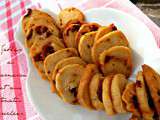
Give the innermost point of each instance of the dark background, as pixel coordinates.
(151, 8)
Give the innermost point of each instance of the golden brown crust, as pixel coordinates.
(117, 59)
(106, 95)
(115, 38)
(69, 35)
(129, 96)
(85, 28)
(83, 89)
(63, 63)
(142, 97)
(68, 15)
(67, 81)
(117, 87)
(104, 30)
(95, 90)
(40, 50)
(152, 80)
(85, 45)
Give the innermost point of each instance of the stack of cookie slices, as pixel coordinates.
(89, 64)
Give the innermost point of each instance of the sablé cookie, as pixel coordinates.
(115, 38)
(117, 59)
(69, 35)
(129, 96)
(85, 28)
(95, 90)
(118, 84)
(106, 95)
(85, 45)
(103, 30)
(83, 89)
(40, 50)
(67, 81)
(68, 15)
(52, 59)
(62, 63)
(142, 97)
(152, 79)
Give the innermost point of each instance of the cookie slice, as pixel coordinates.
(104, 30)
(85, 28)
(116, 59)
(69, 35)
(115, 38)
(40, 50)
(145, 109)
(83, 89)
(129, 97)
(152, 79)
(67, 81)
(68, 15)
(95, 90)
(62, 63)
(85, 45)
(51, 60)
(34, 17)
(119, 82)
(106, 95)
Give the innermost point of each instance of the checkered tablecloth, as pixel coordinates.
(14, 104)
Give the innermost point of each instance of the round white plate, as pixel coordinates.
(50, 106)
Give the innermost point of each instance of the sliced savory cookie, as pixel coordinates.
(83, 89)
(85, 28)
(85, 45)
(52, 59)
(95, 90)
(129, 96)
(69, 35)
(142, 97)
(106, 95)
(37, 17)
(104, 30)
(64, 62)
(152, 79)
(40, 50)
(115, 38)
(67, 81)
(117, 59)
(118, 84)
(68, 15)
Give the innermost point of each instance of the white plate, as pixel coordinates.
(51, 107)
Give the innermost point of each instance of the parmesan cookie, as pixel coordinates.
(116, 59)
(64, 62)
(104, 30)
(68, 15)
(67, 81)
(106, 95)
(69, 35)
(51, 60)
(95, 89)
(152, 79)
(85, 28)
(145, 109)
(129, 96)
(118, 84)
(40, 50)
(115, 38)
(83, 89)
(85, 45)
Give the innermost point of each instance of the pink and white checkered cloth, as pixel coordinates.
(14, 62)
